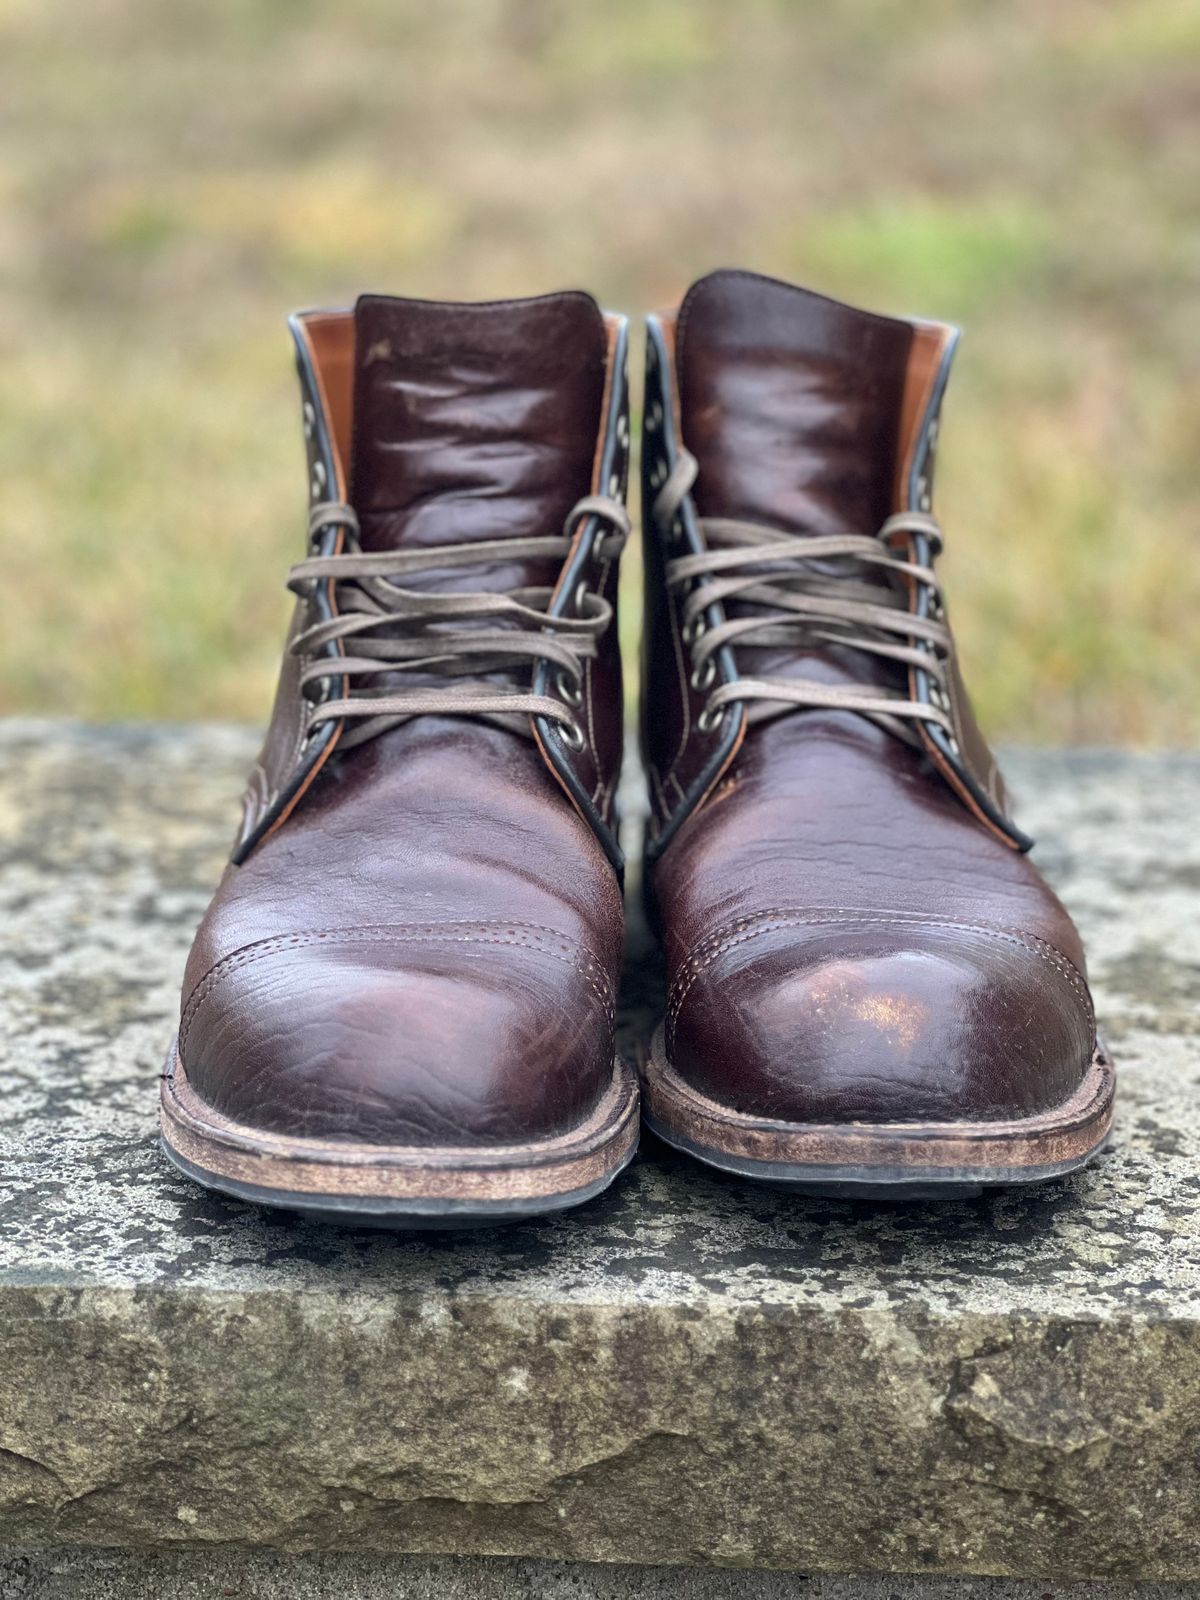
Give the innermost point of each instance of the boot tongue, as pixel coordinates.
(473, 421)
(791, 404)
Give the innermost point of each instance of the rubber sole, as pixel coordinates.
(889, 1160)
(393, 1186)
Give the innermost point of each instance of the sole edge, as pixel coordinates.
(400, 1186)
(884, 1160)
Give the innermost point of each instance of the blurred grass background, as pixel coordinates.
(175, 178)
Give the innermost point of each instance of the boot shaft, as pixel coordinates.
(431, 425)
(813, 420)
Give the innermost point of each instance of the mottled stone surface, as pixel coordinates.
(687, 1371)
(273, 1575)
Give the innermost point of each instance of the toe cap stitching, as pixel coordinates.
(693, 966)
(570, 954)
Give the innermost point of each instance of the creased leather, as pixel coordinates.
(473, 422)
(792, 402)
(426, 952)
(845, 940)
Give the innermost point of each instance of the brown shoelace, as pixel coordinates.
(800, 607)
(453, 640)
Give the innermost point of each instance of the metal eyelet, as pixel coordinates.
(703, 675)
(319, 479)
(571, 735)
(695, 629)
(568, 689)
(709, 719)
(614, 485)
(310, 419)
(579, 600)
(623, 430)
(654, 418)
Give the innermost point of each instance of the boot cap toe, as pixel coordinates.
(880, 1019)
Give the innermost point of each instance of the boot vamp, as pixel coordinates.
(427, 952)
(846, 942)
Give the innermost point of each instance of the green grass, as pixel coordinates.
(174, 179)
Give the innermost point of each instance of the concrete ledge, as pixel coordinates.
(686, 1372)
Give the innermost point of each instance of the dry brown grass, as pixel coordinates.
(174, 179)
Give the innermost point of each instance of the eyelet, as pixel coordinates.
(319, 479)
(654, 418)
(310, 419)
(571, 735)
(614, 485)
(568, 690)
(709, 719)
(703, 675)
(695, 629)
(579, 600)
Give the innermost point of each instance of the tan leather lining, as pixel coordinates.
(330, 339)
(930, 340)
(669, 322)
(612, 328)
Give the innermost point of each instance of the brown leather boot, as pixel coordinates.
(871, 986)
(399, 1006)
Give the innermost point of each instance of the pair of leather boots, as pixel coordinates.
(400, 1005)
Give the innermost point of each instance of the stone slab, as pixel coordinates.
(688, 1371)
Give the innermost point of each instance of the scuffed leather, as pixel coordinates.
(426, 951)
(845, 940)
(846, 943)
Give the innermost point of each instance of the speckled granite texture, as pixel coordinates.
(234, 1574)
(687, 1371)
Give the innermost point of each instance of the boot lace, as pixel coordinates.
(454, 641)
(801, 605)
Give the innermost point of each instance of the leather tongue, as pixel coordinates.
(473, 421)
(791, 404)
